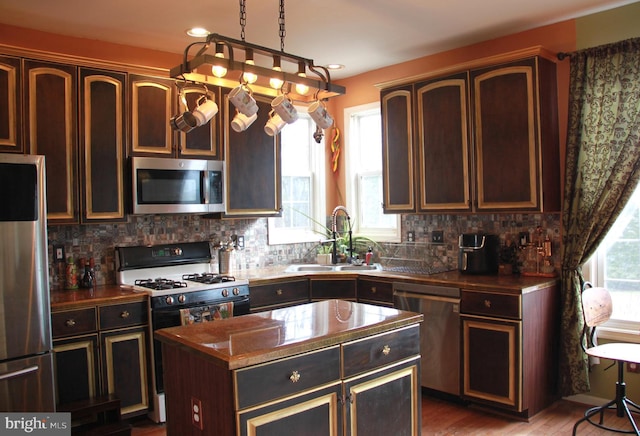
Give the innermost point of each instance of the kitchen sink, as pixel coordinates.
(307, 267)
(374, 267)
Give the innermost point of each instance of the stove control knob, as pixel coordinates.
(169, 300)
(225, 292)
(177, 251)
(236, 291)
(182, 298)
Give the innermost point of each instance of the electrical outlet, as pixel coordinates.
(58, 253)
(437, 237)
(411, 236)
(633, 367)
(240, 241)
(196, 413)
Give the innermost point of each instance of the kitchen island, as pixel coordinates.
(325, 368)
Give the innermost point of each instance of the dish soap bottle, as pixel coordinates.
(369, 256)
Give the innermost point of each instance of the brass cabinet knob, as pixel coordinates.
(487, 303)
(278, 291)
(295, 376)
(386, 350)
(70, 322)
(124, 315)
(373, 289)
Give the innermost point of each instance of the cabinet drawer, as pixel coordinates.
(123, 315)
(262, 383)
(278, 294)
(376, 351)
(373, 290)
(73, 322)
(490, 304)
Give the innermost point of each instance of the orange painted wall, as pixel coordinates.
(88, 48)
(361, 89)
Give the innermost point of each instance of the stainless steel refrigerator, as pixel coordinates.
(26, 362)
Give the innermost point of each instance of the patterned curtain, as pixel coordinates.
(602, 162)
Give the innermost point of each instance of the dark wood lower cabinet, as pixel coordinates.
(102, 350)
(491, 362)
(124, 360)
(510, 349)
(335, 287)
(76, 368)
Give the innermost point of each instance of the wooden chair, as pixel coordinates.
(597, 308)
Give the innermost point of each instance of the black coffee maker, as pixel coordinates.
(478, 253)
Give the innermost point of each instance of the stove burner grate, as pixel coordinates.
(160, 284)
(208, 278)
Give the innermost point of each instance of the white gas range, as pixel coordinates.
(182, 286)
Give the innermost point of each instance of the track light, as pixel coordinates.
(217, 70)
(275, 81)
(301, 88)
(247, 76)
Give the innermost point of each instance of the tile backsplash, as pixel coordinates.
(99, 240)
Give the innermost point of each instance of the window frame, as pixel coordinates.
(288, 235)
(593, 271)
(352, 179)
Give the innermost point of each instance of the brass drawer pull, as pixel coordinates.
(124, 315)
(70, 322)
(373, 289)
(278, 291)
(487, 304)
(386, 350)
(295, 376)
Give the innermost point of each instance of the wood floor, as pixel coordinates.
(443, 418)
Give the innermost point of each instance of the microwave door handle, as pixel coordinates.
(206, 188)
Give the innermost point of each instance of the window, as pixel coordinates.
(363, 139)
(303, 205)
(616, 266)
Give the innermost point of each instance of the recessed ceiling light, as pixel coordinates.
(335, 66)
(197, 32)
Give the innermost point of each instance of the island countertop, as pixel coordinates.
(262, 337)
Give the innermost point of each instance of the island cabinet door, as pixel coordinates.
(384, 402)
(312, 413)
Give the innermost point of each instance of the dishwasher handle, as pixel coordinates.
(405, 294)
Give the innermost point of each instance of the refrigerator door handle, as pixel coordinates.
(19, 372)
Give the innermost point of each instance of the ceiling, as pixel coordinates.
(361, 34)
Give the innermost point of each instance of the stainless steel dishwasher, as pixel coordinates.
(439, 332)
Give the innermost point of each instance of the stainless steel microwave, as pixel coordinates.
(164, 185)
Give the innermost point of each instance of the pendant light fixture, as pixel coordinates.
(309, 81)
(252, 77)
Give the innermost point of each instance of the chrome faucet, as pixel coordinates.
(334, 229)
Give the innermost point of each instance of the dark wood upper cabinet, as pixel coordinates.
(153, 100)
(487, 140)
(398, 156)
(444, 143)
(516, 136)
(102, 145)
(51, 130)
(10, 105)
(253, 166)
